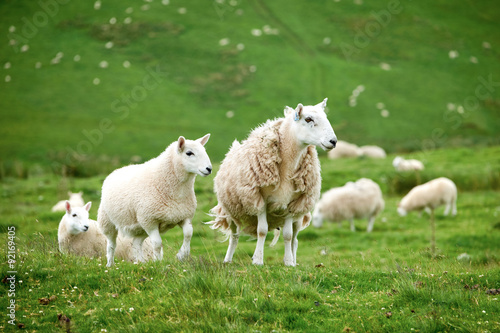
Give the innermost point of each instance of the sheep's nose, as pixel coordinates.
(209, 169)
(86, 227)
(333, 142)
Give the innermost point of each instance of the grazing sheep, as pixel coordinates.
(429, 196)
(148, 199)
(372, 152)
(272, 179)
(359, 200)
(79, 235)
(75, 199)
(400, 164)
(344, 149)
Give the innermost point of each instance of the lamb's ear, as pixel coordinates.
(204, 139)
(323, 104)
(298, 112)
(287, 110)
(88, 205)
(68, 206)
(181, 143)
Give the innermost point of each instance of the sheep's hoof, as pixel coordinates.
(182, 257)
(258, 262)
(289, 263)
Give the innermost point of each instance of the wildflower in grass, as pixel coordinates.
(384, 113)
(96, 82)
(327, 40)
(97, 5)
(224, 41)
(7, 65)
(129, 10)
(77, 58)
(385, 66)
(380, 105)
(473, 60)
(127, 20)
(130, 309)
(240, 47)
(252, 69)
(103, 64)
(256, 32)
(182, 10)
(126, 64)
(12, 42)
(7, 78)
(453, 54)
(112, 20)
(486, 45)
(165, 2)
(230, 114)
(12, 28)
(145, 7)
(108, 45)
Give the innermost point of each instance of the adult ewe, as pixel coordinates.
(372, 151)
(79, 235)
(429, 196)
(272, 179)
(359, 200)
(148, 199)
(400, 164)
(75, 199)
(344, 149)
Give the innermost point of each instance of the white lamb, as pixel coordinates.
(400, 164)
(148, 199)
(359, 200)
(372, 152)
(79, 235)
(75, 199)
(272, 180)
(344, 149)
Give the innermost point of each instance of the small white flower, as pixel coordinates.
(224, 41)
(103, 64)
(252, 69)
(240, 47)
(96, 82)
(486, 45)
(108, 45)
(97, 5)
(165, 2)
(384, 113)
(7, 78)
(380, 105)
(127, 20)
(77, 58)
(129, 10)
(25, 48)
(59, 55)
(12, 28)
(112, 20)
(230, 114)
(182, 10)
(473, 60)
(145, 7)
(385, 66)
(327, 40)
(460, 109)
(451, 106)
(7, 65)
(361, 88)
(126, 64)
(12, 42)
(131, 309)
(256, 32)
(453, 54)
(233, 3)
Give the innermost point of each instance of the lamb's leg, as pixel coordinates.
(454, 207)
(447, 209)
(295, 241)
(258, 256)
(371, 221)
(353, 228)
(287, 238)
(137, 249)
(110, 248)
(187, 229)
(154, 236)
(233, 242)
(433, 234)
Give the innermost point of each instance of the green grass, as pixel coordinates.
(384, 281)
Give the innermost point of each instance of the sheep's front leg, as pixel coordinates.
(110, 248)
(187, 229)
(258, 256)
(137, 249)
(287, 238)
(353, 228)
(371, 221)
(154, 236)
(233, 242)
(295, 242)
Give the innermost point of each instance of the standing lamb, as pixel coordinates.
(148, 199)
(79, 235)
(400, 164)
(372, 152)
(272, 180)
(359, 200)
(429, 196)
(75, 199)
(344, 149)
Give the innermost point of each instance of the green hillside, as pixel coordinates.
(147, 72)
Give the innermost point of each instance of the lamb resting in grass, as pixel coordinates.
(148, 199)
(75, 199)
(272, 180)
(344, 149)
(400, 164)
(79, 235)
(355, 200)
(429, 196)
(372, 151)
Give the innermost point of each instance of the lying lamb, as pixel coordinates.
(75, 199)
(400, 164)
(359, 200)
(79, 235)
(148, 199)
(272, 179)
(344, 149)
(372, 152)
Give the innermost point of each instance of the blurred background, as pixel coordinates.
(86, 86)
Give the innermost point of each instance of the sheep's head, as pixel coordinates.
(312, 126)
(397, 160)
(77, 218)
(194, 156)
(401, 210)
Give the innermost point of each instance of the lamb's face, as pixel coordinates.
(312, 126)
(402, 211)
(77, 218)
(194, 156)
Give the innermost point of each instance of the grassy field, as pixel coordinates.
(384, 281)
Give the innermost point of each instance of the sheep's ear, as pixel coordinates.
(204, 139)
(287, 110)
(181, 143)
(323, 104)
(88, 205)
(298, 112)
(68, 206)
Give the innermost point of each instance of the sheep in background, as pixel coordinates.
(79, 235)
(355, 200)
(400, 164)
(75, 199)
(429, 196)
(272, 180)
(148, 199)
(344, 149)
(372, 152)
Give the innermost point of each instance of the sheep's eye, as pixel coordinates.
(189, 153)
(308, 120)
(74, 215)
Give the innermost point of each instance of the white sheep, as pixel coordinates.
(79, 235)
(272, 180)
(344, 149)
(429, 196)
(355, 200)
(148, 199)
(75, 199)
(400, 164)
(372, 152)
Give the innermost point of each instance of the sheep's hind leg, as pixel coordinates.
(353, 228)
(371, 221)
(111, 246)
(233, 242)
(287, 238)
(187, 229)
(137, 249)
(295, 242)
(154, 236)
(258, 256)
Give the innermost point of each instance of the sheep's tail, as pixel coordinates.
(276, 237)
(221, 220)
